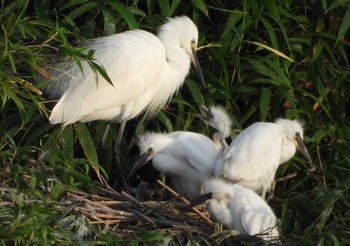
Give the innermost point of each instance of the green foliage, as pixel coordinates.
(261, 60)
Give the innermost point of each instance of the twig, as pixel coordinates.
(132, 199)
(145, 217)
(105, 222)
(292, 175)
(184, 200)
(101, 215)
(319, 161)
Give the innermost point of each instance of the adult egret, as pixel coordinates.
(241, 209)
(146, 70)
(255, 154)
(217, 117)
(188, 158)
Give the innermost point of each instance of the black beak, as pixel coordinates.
(302, 148)
(194, 59)
(199, 200)
(204, 118)
(140, 162)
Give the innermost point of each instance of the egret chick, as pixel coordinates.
(145, 70)
(188, 158)
(217, 118)
(254, 155)
(241, 209)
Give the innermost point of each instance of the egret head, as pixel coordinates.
(294, 132)
(220, 190)
(217, 118)
(214, 190)
(150, 144)
(185, 32)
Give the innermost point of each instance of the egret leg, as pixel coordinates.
(105, 136)
(263, 193)
(117, 155)
(272, 190)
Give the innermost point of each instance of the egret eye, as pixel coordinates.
(297, 134)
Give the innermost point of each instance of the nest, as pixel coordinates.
(87, 213)
(127, 215)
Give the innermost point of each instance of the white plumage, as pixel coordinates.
(255, 154)
(241, 209)
(187, 158)
(146, 71)
(217, 118)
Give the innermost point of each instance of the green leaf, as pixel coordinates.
(109, 26)
(101, 70)
(152, 236)
(344, 25)
(81, 10)
(165, 8)
(265, 103)
(86, 142)
(127, 15)
(195, 91)
(270, 30)
(166, 121)
(201, 6)
(67, 143)
(272, 9)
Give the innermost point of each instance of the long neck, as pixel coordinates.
(288, 150)
(177, 59)
(174, 72)
(219, 140)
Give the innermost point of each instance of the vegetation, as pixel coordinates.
(261, 60)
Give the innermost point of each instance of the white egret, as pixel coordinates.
(255, 154)
(188, 158)
(146, 70)
(240, 209)
(217, 118)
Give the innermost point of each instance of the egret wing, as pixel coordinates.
(258, 220)
(132, 61)
(253, 152)
(256, 215)
(198, 150)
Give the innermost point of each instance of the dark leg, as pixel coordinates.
(272, 190)
(117, 155)
(105, 136)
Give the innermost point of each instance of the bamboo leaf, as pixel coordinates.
(201, 6)
(264, 103)
(279, 53)
(166, 121)
(86, 142)
(344, 25)
(165, 8)
(127, 15)
(101, 70)
(88, 146)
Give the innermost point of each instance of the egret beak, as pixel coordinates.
(199, 200)
(194, 59)
(140, 162)
(302, 148)
(204, 118)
